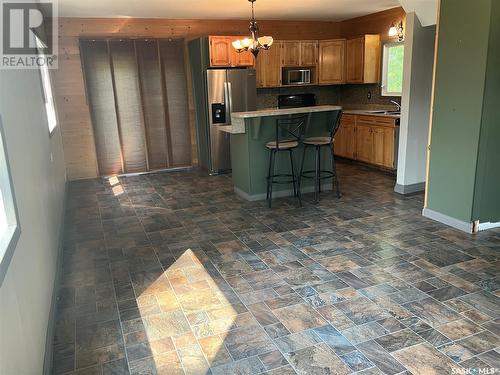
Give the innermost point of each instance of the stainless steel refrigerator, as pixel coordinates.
(227, 91)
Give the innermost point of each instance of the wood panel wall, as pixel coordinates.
(376, 23)
(71, 101)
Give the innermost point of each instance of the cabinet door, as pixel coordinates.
(364, 143)
(331, 61)
(383, 146)
(291, 53)
(345, 139)
(242, 58)
(308, 53)
(220, 51)
(355, 60)
(340, 142)
(350, 142)
(268, 66)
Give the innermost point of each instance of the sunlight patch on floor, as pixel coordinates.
(185, 305)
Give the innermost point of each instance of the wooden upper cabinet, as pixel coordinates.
(290, 53)
(308, 53)
(299, 53)
(268, 66)
(223, 54)
(331, 61)
(363, 59)
(240, 58)
(220, 51)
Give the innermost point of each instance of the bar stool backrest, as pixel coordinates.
(290, 128)
(337, 115)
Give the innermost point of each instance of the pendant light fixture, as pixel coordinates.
(255, 43)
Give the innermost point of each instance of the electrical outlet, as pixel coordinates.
(369, 95)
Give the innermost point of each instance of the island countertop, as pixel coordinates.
(238, 118)
(284, 111)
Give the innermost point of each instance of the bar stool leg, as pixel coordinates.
(269, 173)
(316, 178)
(273, 159)
(319, 169)
(302, 168)
(335, 177)
(296, 189)
(293, 174)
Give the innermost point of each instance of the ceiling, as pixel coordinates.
(333, 10)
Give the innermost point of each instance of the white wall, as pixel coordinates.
(426, 10)
(39, 186)
(415, 105)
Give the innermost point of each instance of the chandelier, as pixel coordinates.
(255, 43)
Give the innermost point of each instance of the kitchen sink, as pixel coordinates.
(384, 112)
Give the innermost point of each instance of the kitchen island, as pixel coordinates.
(250, 131)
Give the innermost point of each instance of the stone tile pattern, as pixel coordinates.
(172, 273)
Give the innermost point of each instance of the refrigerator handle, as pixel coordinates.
(227, 100)
(230, 99)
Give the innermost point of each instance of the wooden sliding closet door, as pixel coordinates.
(155, 112)
(99, 83)
(128, 106)
(174, 73)
(139, 104)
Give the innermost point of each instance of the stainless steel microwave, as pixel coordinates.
(296, 76)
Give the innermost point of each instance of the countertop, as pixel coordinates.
(238, 118)
(284, 111)
(365, 112)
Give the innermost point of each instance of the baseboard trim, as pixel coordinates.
(487, 225)
(278, 193)
(409, 189)
(49, 340)
(448, 220)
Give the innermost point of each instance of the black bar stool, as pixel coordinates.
(318, 142)
(289, 132)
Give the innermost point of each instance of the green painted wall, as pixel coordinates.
(464, 28)
(487, 198)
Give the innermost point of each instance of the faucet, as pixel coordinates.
(396, 104)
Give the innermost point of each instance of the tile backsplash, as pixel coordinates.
(349, 96)
(358, 95)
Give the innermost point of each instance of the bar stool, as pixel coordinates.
(289, 132)
(318, 143)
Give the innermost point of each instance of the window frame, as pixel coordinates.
(10, 237)
(47, 93)
(385, 66)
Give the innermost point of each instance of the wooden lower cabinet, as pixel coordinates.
(383, 146)
(364, 143)
(345, 139)
(368, 139)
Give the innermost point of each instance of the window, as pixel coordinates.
(9, 228)
(392, 69)
(50, 108)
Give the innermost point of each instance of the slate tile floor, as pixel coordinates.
(173, 274)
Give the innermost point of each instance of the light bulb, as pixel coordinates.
(393, 31)
(266, 41)
(237, 44)
(247, 43)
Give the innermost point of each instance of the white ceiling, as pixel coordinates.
(334, 10)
